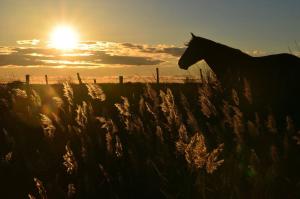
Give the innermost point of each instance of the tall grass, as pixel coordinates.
(176, 141)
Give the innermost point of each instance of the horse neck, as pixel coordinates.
(223, 59)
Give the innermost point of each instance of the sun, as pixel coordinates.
(64, 38)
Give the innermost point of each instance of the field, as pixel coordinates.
(143, 141)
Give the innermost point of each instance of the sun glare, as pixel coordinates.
(64, 38)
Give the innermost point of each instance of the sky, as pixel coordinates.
(138, 35)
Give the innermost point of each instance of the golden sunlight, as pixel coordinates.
(64, 38)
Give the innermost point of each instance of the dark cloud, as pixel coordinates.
(88, 42)
(29, 42)
(127, 60)
(174, 51)
(133, 46)
(18, 59)
(31, 50)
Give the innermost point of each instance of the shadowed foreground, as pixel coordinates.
(138, 141)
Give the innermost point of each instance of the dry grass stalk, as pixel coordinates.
(58, 102)
(137, 124)
(207, 108)
(68, 93)
(252, 129)
(19, 93)
(290, 125)
(123, 107)
(237, 121)
(107, 124)
(159, 133)
(69, 160)
(297, 138)
(142, 106)
(124, 111)
(31, 196)
(271, 124)
(168, 107)
(247, 91)
(96, 92)
(109, 142)
(183, 133)
(8, 157)
(212, 162)
(196, 151)
(274, 153)
(118, 147)
(40, 187)
(150, 110)
(111, 130)
(151, 93)
(71, 190)
(181, 144)
(35, 98)
(48, 127)
(235, 97)
(226, 110)
(113, 142)
(81, 115)
(191, 120)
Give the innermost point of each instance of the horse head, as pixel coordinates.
(192, 54)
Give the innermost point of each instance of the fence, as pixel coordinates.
(143, 79)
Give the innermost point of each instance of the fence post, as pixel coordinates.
(208, 77)
(187, 79)
(157, 76)
(121, 79)
(46, 79)
(201, 76)
(27, 79)
(79, 78)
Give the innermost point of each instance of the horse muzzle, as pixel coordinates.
(182, 65)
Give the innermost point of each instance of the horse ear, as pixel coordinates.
(193, 35)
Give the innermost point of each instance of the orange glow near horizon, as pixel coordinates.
(64, 38)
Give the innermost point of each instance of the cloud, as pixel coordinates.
(53, 57)
(18, 60)
(32, 42)
(171, 50)
(90, 54)
(88, 42)
(256, 53)
(297, 53)
(175, 51)
(126, 60)
(133, 46)
(5, 50)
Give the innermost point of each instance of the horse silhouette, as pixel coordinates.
(274, 79)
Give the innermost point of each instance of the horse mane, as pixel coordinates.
(229, 49)
(215, 45)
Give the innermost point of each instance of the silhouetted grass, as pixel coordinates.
(140, 141)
